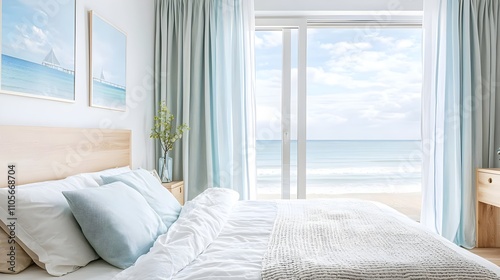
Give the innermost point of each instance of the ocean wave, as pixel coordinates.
(344, 189)
(365, 171)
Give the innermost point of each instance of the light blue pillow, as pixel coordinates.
(158, 197)
(117, 221)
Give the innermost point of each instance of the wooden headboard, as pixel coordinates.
(50, 153)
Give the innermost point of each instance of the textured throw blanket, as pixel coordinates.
(357, 240)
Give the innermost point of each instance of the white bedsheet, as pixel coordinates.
(238, 252)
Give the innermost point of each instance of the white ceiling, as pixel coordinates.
(301, 7)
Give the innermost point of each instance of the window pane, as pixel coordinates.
(363, 114)
(268, 65)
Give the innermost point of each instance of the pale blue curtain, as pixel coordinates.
(204, 70)
(460, 120)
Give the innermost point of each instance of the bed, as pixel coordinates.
(42, 154)
(218, 237)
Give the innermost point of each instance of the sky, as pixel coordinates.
(109, 51)
(31, 28)
(362, 84)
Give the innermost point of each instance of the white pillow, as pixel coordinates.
(117, 221)
(159, 198)
(46, 226)
(96, 176)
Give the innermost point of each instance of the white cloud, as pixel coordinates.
(268, 39)
(382, 39)
(258, 42)
(319, 75)
(268, 122)
(370, 89)
(404, 44)
(28, 38)
(268, 99)
(341, 48)
(369, 114)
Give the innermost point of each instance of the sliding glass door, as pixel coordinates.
(354, 129)
(363, 114)
(268, 75)
(278, 80)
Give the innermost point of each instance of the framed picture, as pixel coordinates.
(38, 49)
(108, 55)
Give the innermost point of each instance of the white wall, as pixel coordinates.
(337, 5)
(136, 19)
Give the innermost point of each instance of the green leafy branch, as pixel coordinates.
(163, 130)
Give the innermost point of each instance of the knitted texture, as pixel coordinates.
(357, 240)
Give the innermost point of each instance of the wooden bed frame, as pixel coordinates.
(50, 153)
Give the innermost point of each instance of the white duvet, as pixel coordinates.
(217, 237)
(200, 222)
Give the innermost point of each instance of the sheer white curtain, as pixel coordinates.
(205, 72)
(461, 68)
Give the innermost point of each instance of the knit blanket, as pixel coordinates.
(358, 240)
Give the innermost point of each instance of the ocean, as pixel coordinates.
(27, 77)
(337, 167)
(23, 76)
(108, 96)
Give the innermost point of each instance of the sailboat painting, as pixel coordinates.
(108, 55)
(38, 49)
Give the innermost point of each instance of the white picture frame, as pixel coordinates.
(108, 64)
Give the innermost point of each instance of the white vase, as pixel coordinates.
(165, 169)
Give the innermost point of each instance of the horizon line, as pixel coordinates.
(347, 140)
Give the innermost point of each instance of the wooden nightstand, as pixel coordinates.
(488, 214)
(177, 189)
